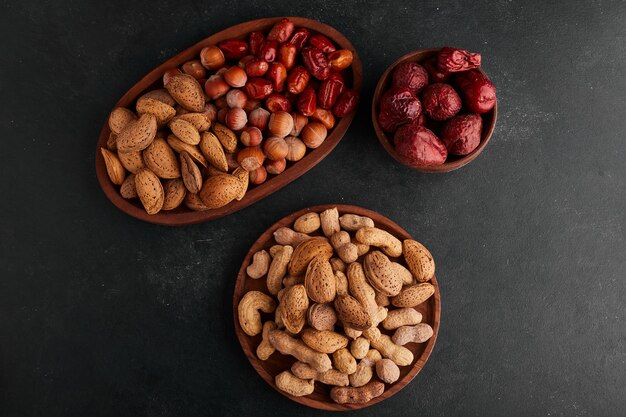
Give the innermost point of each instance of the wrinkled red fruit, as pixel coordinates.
(479, 94)
(410, 75)
(440, 101)
(397, 107)
(456, 60)
(461, 134)
(434, 74)
(419, 146)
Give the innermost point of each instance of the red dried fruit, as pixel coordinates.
(456, 60)
(315, 61)
(277, 74)
(297, 80)
(434, 74)
(258, 88)
(233, 48)
(397, 107)
(410, 75)
(287, 55)
(281, 31)
(479, 93)
(346, 103)
(461, 134)
(256, 41)
(299, 38)
(277, 102)
(419, 146)
(268, 50)
(329, 92)
(307, 102)
(440, 101)
(256, 68)
(322, 42)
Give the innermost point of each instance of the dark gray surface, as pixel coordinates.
(103, 315)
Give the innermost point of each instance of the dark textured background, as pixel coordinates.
(103, 315)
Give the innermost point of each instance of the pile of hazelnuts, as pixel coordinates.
(435, 110)
(280, 92)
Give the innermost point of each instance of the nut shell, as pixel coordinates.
(219, 190)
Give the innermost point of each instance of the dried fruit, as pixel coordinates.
(256, 67)
(316, 63)
(281, 31)
(340, 60)
(441, 101)
(276, 102)
(419, 146)
(410, 75)
(434, 74)
(256, 41)
(258, 88)
(322, 43)
(233, 48)
(287, 55)
(455, 60)
(398, 106)
(297, 80)
(346, 103)
(277, 74)
(461, 134)
(268, 51)
(479, 93)
(328, 92)
(300, 37)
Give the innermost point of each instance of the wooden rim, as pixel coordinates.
(182, 215)
(249, 344)
(489, 119)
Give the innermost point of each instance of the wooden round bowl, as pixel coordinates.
(453, 162)
(182, 215)
(431, 313)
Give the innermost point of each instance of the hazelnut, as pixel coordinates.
(280, 124)
(167, 75)
(236, 119)
(259, 118)
(275, 148)
(210, 111)
(212, 57)
(251, 136)
(221, 103)
(235, 77)
(314, 134)
(221, 115)
(299, 121)
(250, 158)
(195, 69)
(276, 167)
(297, 148)
(251, 104)
(215, 87)
(258, 176)
(236, 98)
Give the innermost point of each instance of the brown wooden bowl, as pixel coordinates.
(453, 162)
(431, 312)
(182, 215)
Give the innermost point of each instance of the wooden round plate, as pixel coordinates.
(453, 162)
(430, 309)
(182, 215)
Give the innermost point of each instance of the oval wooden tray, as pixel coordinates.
(182, 215)
(431, 312)
(453, 162)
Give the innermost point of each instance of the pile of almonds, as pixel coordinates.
(345, 297)
(434, 110)
(245, 109)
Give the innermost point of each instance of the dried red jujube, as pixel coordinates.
(479, 93)
(419, 146)
(440, 101)
(410, 75)
(456, 60)
(398, 106)
(461, 134)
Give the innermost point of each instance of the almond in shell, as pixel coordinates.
(162, 95)
(227, 137)
(162, 111)
(185, 131)
(128, 190)
(149, 190)
(413, 295)
(114, 167)
(161, 159)
(193, 151)
(132, 161)
(198, 120)
(175, 192)
(119, 118)
(320, 280)
(381, 274)
(138, 134)
(193, 202)
(352, 313)
(192, 177)
(307, 250)
(219, 190)
(244, 177)
(112, 142)
(187, 92)
(324, 341)
(294, 306)
(213, 151)
(419, 260)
